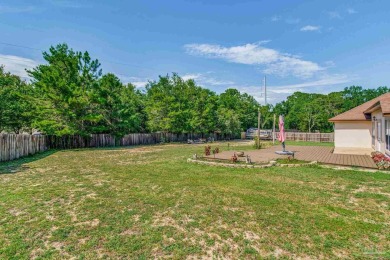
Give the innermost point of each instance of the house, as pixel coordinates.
(364, 129)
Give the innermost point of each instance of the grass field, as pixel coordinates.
(148, 202)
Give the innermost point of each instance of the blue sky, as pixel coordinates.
(310, 46)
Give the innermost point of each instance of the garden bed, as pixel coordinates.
(381, 160)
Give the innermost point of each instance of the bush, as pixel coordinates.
(234, 158)
(381, 160)
(207, 150)
(258, 143)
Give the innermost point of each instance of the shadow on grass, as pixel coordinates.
(18, 165)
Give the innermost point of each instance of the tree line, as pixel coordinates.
(70, 95)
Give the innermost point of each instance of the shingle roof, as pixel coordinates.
(385, 105)
(357, 113)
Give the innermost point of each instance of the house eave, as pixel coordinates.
(350, 120)
(373, 108)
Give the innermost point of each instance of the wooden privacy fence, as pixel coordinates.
(105, 140)
(13, 146)
(77, 141)
(309, 137)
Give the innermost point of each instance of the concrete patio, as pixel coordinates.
(321, 154)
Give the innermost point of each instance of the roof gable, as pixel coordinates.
(358, 113)
(385, 105)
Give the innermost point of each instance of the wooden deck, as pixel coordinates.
(321, 154)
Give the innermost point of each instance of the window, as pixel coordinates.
(387, 134)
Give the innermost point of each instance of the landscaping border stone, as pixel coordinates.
(231, 165)
(273, 163)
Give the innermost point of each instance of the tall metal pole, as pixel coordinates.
(265, 90)
(258, 129)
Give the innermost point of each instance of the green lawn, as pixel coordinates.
(148, 202)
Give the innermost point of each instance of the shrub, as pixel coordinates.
(207, 150)
(234, 158)
(258, 143)
(381, 160)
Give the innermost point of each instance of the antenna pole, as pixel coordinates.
(258, 129)
(265, 90)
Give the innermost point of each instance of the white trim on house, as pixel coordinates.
(381, 137)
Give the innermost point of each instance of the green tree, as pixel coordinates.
(203, 111)
(244, 105)
(267, 117)
(16, 106)
(179, 106)
(119, 107)
(64, 86)
(304, 111)
(228, 121)
(356, 95)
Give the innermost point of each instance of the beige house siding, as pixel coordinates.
(353, 134)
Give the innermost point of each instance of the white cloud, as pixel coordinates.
(274, 62)
(310, 28)
(16, 9)
(351, 11)
(136, 81)
(17, 65)
(140, 84)
(216, 82)
(334, 15)
(291, 20)
(191, 76)
(289, 65)
(203, 80)
(324, 81)
(206, 80)
(326, 84)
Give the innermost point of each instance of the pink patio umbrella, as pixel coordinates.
(282, 134)
(282, 138)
